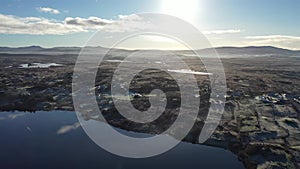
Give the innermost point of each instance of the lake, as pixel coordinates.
(54, 139)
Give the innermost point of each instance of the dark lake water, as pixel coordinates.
(55, 140)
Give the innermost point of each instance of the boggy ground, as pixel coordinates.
(260, 123)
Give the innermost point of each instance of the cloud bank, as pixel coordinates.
(10, 24)
(34, 26)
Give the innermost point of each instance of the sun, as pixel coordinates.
(184, 9)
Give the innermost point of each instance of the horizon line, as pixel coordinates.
(149, 49)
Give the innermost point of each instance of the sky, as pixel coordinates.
(50, 23)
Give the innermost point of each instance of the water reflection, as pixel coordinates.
(56, 140)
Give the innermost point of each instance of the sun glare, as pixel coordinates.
(184, 9)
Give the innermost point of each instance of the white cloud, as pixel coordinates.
(132, 17)
(91, 22)
(284, 41)
(67, 128)
(124, 23)
(48, 10)
(34, 26)
(221, 31)
(127, 23)
(10, 24)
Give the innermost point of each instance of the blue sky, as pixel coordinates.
(224, 22)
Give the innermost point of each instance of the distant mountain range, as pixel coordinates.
(223, 51)
(37, 49)
(255, 51)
